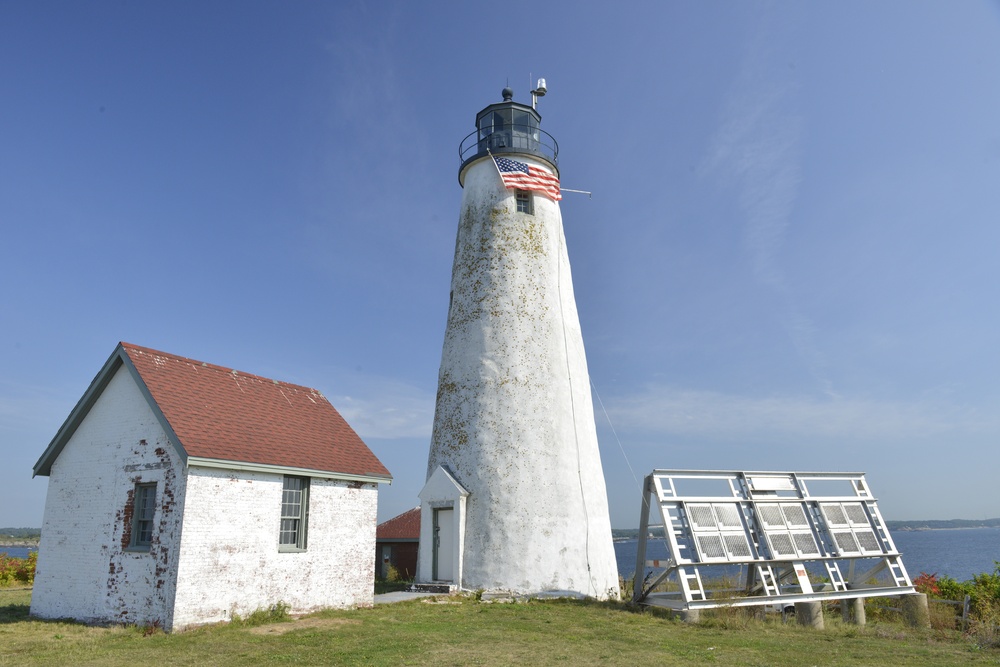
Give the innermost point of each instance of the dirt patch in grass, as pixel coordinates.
(309, 623)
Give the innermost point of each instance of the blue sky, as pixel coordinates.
(789, 261)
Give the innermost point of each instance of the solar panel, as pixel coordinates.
(867, 542)
(846, 544)
(771, 516)
(728, 515)
(737, 546)
(795, 517)
(711, 547)
(772, 527)
(701, 516)
(834, 513)
(781, 544)
(806, 544)
(856, 514)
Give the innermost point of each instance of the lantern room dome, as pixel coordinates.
(509, 127)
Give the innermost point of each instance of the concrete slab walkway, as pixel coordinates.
(402, 596)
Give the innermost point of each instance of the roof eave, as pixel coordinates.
(245, 466)
(396, 539)
(117, 359)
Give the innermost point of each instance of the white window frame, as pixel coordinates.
(143, 511)
(294, 522)
(524, 203)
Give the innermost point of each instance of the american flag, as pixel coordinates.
(526, 177)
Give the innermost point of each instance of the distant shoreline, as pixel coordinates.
(954, 524)
(19, 544)
(914, 529)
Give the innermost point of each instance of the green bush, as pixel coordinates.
(17, 570)
(983, 591)
(986, 587)
(276, 613)
(950, 589)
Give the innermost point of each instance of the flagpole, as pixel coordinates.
(492, 157)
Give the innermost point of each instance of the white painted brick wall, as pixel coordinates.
(83, 571)
(514, 420)
(227, 560)
(230, 561)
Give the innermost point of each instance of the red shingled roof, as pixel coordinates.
(403, 527)
(219, 413)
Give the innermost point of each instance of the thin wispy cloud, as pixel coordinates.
(756, 152)
(671, 412)
(387, 409)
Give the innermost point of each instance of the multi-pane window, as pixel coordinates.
(524, 204)
(294, 510)
(143, 506)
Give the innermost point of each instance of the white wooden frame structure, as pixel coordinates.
(757, 537)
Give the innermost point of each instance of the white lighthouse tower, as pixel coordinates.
(515, 499)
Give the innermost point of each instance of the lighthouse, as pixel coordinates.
(515, 499)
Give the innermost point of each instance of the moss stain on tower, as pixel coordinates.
(509, 424)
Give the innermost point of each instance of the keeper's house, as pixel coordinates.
(181, 493)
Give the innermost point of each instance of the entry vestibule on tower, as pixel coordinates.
(515, 499)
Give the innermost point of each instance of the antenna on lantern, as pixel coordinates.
(539, 91)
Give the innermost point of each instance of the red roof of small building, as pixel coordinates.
(406, 526)
(220, 414)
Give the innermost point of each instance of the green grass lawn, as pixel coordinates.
(462, 631)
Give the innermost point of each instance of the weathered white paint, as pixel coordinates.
(215, 539)
(229, 559)
(84, 570)
(441, 491)
(514, 419)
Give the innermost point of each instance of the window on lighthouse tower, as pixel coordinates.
(524, 203)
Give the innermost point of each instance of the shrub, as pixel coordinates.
(928, 584)
(626, 586)
(943, 616)
(950, 589)
(986, 628)
(878, 609)
(986, 587)
(276, 613)
(17, 570)
(984, 602)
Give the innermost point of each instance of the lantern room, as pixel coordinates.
(510, 127)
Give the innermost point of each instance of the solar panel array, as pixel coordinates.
(776, 526)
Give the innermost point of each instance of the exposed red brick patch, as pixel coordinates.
(124, 517)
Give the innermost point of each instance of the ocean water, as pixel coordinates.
(959, 553)
(17, 552)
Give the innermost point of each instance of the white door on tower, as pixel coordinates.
(444, 545)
